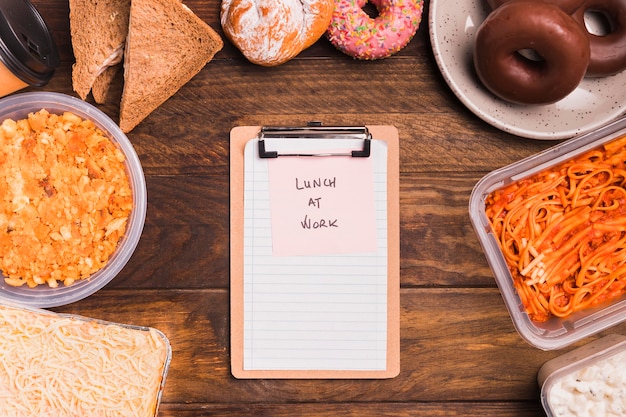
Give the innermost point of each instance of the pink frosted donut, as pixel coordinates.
(355, 33)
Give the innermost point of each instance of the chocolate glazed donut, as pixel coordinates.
(568, 6)
(560, 43)
(608, 51)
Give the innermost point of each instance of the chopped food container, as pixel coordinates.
(65, 364)
(555, 333)
(17, 107)
(587, 381)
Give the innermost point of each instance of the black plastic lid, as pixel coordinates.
(26, 45)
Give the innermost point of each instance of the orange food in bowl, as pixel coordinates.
(66, 199)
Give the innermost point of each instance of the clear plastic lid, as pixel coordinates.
(86, 337)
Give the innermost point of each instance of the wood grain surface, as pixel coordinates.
(460, 354)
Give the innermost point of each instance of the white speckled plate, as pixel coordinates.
(594, 103)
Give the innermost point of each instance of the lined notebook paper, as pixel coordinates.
(310, 308)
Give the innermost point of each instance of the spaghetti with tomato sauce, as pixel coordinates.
(563, 232)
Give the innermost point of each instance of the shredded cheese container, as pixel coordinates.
(67, 365)
(588, 381)
(518, 285)
(28, 53)
(18, 107)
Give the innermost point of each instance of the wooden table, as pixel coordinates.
(460, 354)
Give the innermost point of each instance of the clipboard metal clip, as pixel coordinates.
(314, 131)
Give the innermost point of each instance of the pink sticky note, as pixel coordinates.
(322, 205)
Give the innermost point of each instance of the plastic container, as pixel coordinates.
(589, 380)
(136, 356)
(17, 107)
(554, 333)
(28, 54)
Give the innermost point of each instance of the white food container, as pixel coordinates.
(587, 381)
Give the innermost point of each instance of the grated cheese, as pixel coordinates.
(59, 366)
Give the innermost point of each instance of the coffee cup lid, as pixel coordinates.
(26, 45)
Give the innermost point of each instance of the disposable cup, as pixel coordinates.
(28, 53)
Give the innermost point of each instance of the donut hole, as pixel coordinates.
(598, 22)
(371, 10)
(528, 61)
(530, 55)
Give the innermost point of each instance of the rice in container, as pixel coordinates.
(588, 381)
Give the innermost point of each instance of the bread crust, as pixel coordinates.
(271, 32)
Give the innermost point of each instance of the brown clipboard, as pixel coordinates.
(239, 137)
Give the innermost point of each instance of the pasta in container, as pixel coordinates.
(66, 365)
(553, 229)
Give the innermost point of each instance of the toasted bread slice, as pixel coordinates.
(98, 29)
(167, 45)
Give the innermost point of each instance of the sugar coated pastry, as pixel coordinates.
(355, 33)
(271, 32)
